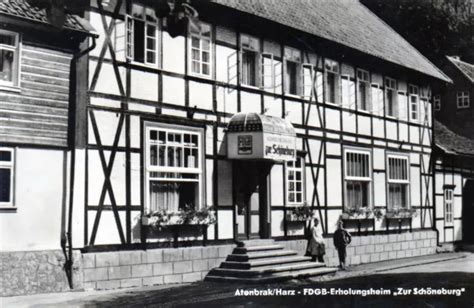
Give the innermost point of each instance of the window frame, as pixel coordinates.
(366, 82)
(200, 171)
(391, 85)
(406, 182)
(11, 166)
(437, 102)
(463, 99)
(332, 67)
(413, 92)
(201, 37)
(298, 71)
(15, 83)
(448, 215)
(258, 61)
(130, 37)
(368, 180)
(295, 169)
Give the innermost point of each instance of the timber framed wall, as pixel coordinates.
(123, 94)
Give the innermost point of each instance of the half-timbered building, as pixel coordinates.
(253, 108)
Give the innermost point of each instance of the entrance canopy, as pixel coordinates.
(257, 136)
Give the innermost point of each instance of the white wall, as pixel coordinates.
(39, 187)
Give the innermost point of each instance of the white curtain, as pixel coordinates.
(164, 196)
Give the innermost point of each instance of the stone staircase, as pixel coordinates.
(263, 261)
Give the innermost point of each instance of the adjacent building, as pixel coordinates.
(454, 144)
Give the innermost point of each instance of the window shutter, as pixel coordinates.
(129, 37)
(307, 81)
(268, 71)
(319, 86)
(402, 106)
(232, 69)
(120, 39)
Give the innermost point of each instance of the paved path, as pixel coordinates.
(204, 293)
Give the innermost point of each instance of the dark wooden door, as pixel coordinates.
(250, 186)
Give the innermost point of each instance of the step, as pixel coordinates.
(244, 250)
(264, 262)
(275, 277)
(260, 255)
(251, 243)
(264, 271)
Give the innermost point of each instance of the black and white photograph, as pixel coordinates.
(237, 153)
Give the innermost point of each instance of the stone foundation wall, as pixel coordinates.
(43, 272)
(31, 272)
(375, 248)
(111, 270)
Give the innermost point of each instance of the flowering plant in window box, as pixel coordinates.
(401, 213)
(186, 216)
(300, 213)
(362, 213)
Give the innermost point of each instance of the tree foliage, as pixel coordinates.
(435, 27)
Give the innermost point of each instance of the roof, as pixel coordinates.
(466, 68)
(22, 9)
(346, 22)
(254, 122)
(450, 142)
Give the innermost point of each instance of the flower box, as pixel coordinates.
(295, 218)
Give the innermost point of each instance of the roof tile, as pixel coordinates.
(346, 22)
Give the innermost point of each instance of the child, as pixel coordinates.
(316, 248)
(342, 238)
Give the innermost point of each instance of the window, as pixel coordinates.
(391, 98)
(9, 53)
(332, 81)
(293, 71)
(462, 99)
(6, 176)
(363, 90)
(201, 49)
(358, 178)
(398, 181)
(294, 181)
(448, 206)
(173, 168)
(414, 103)
(142, 35)
(250, 55)
(437, 102)
(377, 99)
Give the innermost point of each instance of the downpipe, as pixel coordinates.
(66, 240)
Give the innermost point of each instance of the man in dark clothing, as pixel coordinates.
(341, 238)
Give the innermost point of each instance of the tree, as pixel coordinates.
(435, 27)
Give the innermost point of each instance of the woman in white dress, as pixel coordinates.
(316, 247)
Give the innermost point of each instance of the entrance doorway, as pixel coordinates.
(251, 199)
(468, 212)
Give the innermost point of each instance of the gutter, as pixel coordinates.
(66, 242)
